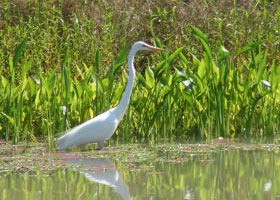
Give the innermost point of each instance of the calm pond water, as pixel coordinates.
(234, 174)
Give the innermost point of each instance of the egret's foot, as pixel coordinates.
(100, 145)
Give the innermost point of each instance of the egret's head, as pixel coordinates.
(142, 46)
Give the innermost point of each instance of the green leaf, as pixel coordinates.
(19, 51)
(199, 33)
(180, 73)
(4, 81)
(262, 67)
(97, 60)
(248, 48)
(37, 98)
(275, 76)
(141, 80)
(10, 119)
(66, 73)
(120, 61)
(149, 75)
(202, 69)
(166, 63)
(204, 41)
(183, 59)
(223, 53)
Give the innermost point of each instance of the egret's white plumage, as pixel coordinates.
(103, 126)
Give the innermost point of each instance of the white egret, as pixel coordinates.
(103, 126)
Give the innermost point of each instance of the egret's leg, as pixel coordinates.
(100, 145)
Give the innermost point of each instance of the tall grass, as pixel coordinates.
(54, 79)
(229, 97)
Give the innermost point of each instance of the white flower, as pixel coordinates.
(189, 83)
(267, 186)
(64, 109)
(266, 84)
(224, 49)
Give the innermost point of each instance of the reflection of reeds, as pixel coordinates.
(210, 173)
(57, 184)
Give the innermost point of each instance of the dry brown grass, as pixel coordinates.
(234, 25)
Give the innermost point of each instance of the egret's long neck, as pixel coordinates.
(124, 102)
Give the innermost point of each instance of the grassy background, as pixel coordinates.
(63, 62)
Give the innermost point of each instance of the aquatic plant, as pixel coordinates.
(204, 86)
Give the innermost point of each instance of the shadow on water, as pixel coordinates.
(168, 174)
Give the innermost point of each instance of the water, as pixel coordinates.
(235, 174)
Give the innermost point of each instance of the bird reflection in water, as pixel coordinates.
(103, 171)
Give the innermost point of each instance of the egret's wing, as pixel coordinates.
(97, 129)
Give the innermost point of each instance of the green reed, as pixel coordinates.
(226, 97)
(54, 79)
